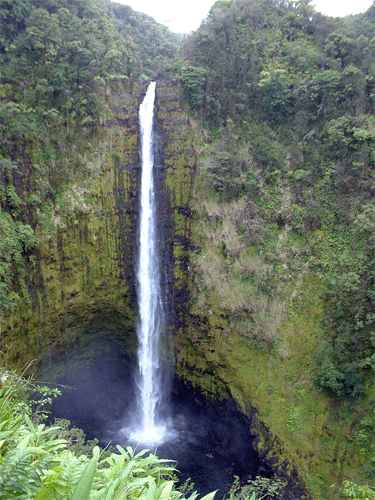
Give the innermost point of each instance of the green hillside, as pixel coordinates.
(284, 100)
(287, 98)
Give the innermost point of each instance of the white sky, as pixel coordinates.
(184, 16)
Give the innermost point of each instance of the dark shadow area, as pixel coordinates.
(210, 441)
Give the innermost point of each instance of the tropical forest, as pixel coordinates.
(263, 150)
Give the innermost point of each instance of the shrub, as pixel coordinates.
(344, 382)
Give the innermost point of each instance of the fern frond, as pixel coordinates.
(17, 475)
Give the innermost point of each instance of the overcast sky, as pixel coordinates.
(184, 16)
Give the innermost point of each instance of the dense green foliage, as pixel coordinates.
(156, 45)
(284, 99)
(353, 490)
(289, 99)
(80, 40)
(37, 462)
(17, 239)
(194, 82)
(54, 57)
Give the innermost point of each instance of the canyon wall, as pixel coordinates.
(83, 265)
(83, 271)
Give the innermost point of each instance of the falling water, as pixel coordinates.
(151, 321)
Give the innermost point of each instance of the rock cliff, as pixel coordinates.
(83, 271)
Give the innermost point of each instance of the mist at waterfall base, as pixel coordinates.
(210, 441)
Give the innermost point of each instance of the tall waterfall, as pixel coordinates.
(151, 321)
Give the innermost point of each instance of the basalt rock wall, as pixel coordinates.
(84, 267)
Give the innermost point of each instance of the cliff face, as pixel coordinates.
(209, 352)
(232, 340)
(83, 266)
(83, 270)
(262, 350)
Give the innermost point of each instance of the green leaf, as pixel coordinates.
(45, 493)
(166, 491)
(24, 442)
(83, 488)
(35, 450)
(211, 495)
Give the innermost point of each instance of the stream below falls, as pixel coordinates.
(210, 441)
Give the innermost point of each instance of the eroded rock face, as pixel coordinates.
(84, 269)
(84, 266)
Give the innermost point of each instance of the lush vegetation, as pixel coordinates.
(55, 57)
(287, 98)
(39, 461)
(283, 260)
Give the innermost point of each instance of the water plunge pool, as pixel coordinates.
(210, 441)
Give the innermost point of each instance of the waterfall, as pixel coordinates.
(151, 321)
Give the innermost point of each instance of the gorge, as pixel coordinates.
(210, 442)
(264, 154)
(90, 285)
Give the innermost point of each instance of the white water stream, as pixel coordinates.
(151, 322)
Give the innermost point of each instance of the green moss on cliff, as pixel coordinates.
(255, 332)
(83, 265)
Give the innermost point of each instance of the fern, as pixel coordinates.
(72, 468)
(18, 476)
(36, 464)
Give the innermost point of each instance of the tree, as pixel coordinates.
(274, 98)
(43, 36)
(194, 82)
